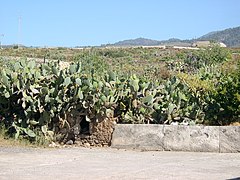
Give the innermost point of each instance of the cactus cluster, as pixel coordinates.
(38, 98)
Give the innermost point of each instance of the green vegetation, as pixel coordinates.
(132, 85)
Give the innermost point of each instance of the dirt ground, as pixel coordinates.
(107, 163)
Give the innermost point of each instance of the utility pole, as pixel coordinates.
(1, 35)
(19, 30)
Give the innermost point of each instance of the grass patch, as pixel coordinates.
(21, 142)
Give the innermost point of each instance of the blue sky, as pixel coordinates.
(95, 22)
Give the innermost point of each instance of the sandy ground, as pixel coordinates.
(106, 163)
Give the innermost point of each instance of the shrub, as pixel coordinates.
(225, 105)
(205, 57)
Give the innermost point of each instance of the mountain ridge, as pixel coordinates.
(230, 37)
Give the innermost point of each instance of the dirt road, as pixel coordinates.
(106, 163)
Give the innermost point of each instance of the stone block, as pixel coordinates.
(191, 138)
(229, 139)
(136, 136)
(176, 138)
(204, 138)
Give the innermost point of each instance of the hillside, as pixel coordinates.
(230, 37)
(137, 42)
(150, 42)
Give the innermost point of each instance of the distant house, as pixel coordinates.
(201, 44)
(221, 44)
(207, 44)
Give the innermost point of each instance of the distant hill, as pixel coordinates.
(230, 37)
(150, 42)
(14, 46)
(176, 42)
(138, 42)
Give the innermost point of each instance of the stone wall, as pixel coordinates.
(100, 134)
(78, 131)
(177, 138)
